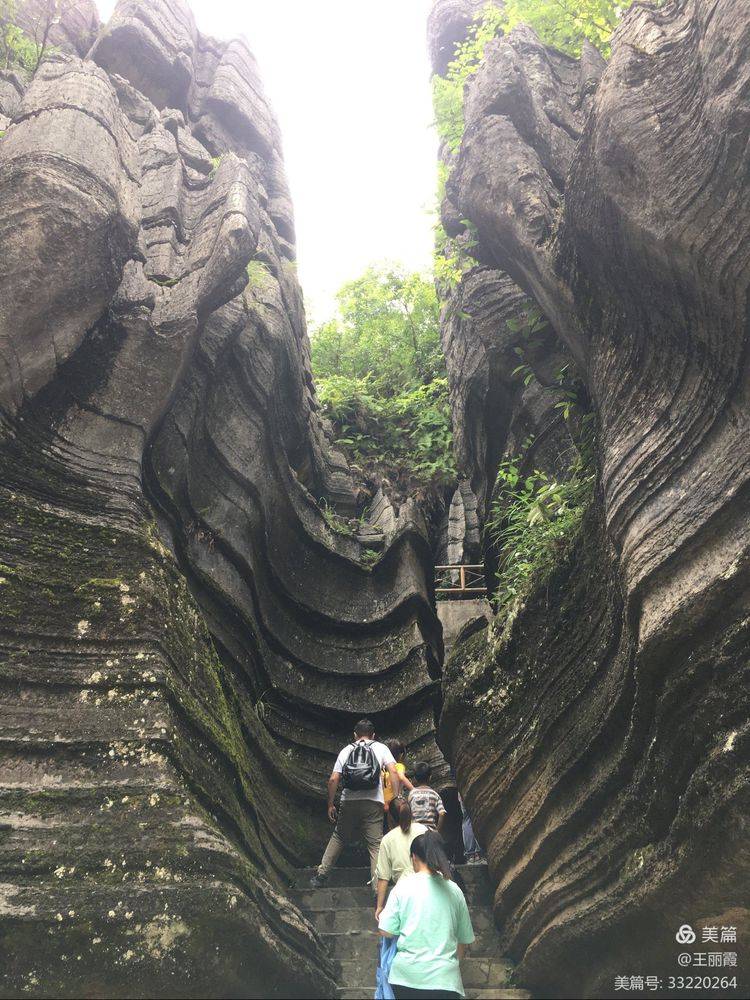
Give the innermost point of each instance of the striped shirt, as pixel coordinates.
(426, 806)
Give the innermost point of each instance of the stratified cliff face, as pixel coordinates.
(184, 640)
(602, 740)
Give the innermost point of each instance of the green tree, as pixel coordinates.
(28, 47)
(566, 23)
(16, 48)
(388, 329)
(563, 24)
(381, 378)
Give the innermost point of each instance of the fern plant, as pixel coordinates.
(533, 520)
(257, 273)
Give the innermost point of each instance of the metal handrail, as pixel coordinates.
(475, 572)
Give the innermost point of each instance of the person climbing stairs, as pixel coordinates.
(343, 914)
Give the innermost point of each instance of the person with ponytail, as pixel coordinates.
(394, 856)
(428, 915)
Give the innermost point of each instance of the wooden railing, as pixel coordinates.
(460, 580)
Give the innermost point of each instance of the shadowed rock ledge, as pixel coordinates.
(185, 640)
(601, 737)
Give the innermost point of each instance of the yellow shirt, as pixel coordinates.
(387, 790)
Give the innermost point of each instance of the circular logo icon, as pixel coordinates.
(685, 935)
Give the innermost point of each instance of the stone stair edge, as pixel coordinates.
(340, 912)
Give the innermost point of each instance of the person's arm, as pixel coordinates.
(333, 784)
(406, 784)
(383, 873)
(465, 935)
(395, 779)
(442, 815)
(389, 921)
(380, 904)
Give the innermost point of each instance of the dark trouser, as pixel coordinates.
(405, 992)
(357, 818)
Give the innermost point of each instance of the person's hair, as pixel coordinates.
(364, 728)
(422, 771)
(401, 813)
(430, 850)
(397, 748)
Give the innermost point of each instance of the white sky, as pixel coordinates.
(349, 82)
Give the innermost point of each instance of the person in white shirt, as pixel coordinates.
(359, 769)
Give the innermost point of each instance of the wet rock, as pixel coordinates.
(600, 736)
(69, 177)
(68, 27)
(447, 26)
(186, 639)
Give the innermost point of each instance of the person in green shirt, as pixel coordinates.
(428, 914)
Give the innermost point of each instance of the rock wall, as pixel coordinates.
(185, 639)
(601, 741)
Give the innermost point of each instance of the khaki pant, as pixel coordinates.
(358, 819)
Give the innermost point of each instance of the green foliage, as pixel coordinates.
(532, 522)
(527, 325)
(257, 273)
(534, 518)
(369, 557)
(448, 90)
(16, 48)
(215, 161)
(387, 330)
(565, 24)
(334, 521)
(452, 257)
(381, 377)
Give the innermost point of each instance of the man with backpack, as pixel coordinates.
(358, 769)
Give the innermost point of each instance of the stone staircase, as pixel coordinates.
(343, 913)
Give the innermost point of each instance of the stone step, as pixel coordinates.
(347, 897)
(473, 875)
(477, 973)
(496, 994)
(353, 971)
(334, 898)
(362, 918)
(357, 946)
(493, 993)
(362, 945)
(337, 878)
(343, 913)
(358, 918)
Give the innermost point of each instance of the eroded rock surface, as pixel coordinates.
(602, 740)
(185, 640)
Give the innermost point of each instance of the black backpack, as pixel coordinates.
(361, 770)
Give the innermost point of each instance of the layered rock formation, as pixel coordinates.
(601, 739)
(185, 638)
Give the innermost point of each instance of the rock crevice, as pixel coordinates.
(600, 736)
(185, 639)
